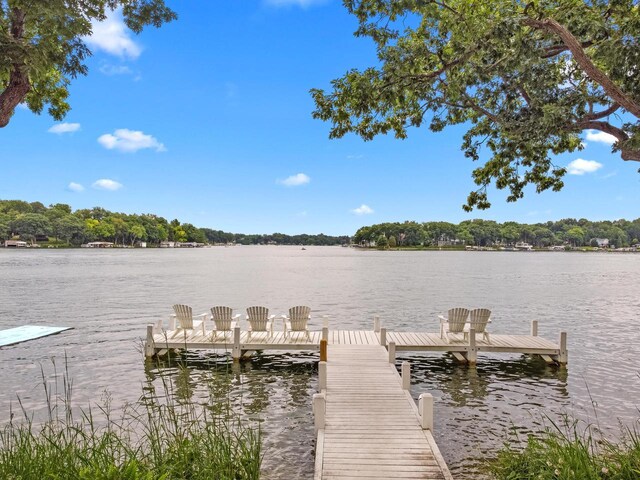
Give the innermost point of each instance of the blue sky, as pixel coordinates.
(208, 120)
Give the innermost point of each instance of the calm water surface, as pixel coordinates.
(109, 296)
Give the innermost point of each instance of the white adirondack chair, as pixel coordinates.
(259, 321)
(224, 320)
(478, 320)
(184, 317)
(454, 322)
(297, 321)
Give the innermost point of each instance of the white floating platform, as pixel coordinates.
(24, 333)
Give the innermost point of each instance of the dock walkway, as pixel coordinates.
(370, 427)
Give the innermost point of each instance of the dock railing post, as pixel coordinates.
(322, 376)
(149, 344)
(406, 375)
(325, 321)
(376, 323)
(563, 357)
(392, 352)
(319, 408)
(325, 333)
(534, 328)
(425, 407)
(472, 354)
(383, 337)
(323, 350)
(236, 353)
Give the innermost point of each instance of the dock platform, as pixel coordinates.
(367, 424)
(239, 342)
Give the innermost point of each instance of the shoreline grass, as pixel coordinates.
(150, 440)
(569, 450)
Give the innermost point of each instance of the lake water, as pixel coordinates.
(109, 296)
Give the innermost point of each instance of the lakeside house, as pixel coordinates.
(167, 244)
(523, 246)
(15, 244)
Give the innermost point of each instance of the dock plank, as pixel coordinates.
(371, 430)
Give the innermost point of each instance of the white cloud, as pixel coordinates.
(295, 3)
(75, 187)
(125, 140)
(610, 174)
(363, 210)
(109, 69)
(580, 166)
(113, 37)
(295, 180)
(600, 137)
(107, 184)
(60, 128)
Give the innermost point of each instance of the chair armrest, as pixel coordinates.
(203, 315)
(271, 317)
(237, 316)
(443, 319)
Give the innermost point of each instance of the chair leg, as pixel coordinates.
(486, 335)
(308, 336)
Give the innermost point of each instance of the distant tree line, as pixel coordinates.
(569, 231)
(35, 222)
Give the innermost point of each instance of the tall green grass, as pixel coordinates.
(570, 450)
(157, 438)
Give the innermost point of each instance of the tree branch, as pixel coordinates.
(579, 55)
(621, 136)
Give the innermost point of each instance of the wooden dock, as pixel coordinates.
(367, 424)
(239, 343)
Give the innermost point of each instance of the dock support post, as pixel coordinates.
(325, 333)
(425, 407)
(376, 323)
(406, 375)
(472, 354)
(319, 408)
(534, 328)
(322, 376)
(563, 357)
(323, 350)
(392, 352)
(383, 337)
(236, 353)
(149, 344)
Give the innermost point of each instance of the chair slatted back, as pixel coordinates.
(258, 317)
(478, 319)
(299, 316)
(457, 319)
(222, 317)
(184, 314)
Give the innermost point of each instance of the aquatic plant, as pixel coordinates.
(158, 437)
(569, 450)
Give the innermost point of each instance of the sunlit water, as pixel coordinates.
(109, 296)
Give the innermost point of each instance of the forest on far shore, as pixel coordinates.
(59, 224)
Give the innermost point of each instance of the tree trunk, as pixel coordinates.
(19, 84)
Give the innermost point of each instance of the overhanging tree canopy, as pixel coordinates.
(527, 77)
(41, 47)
